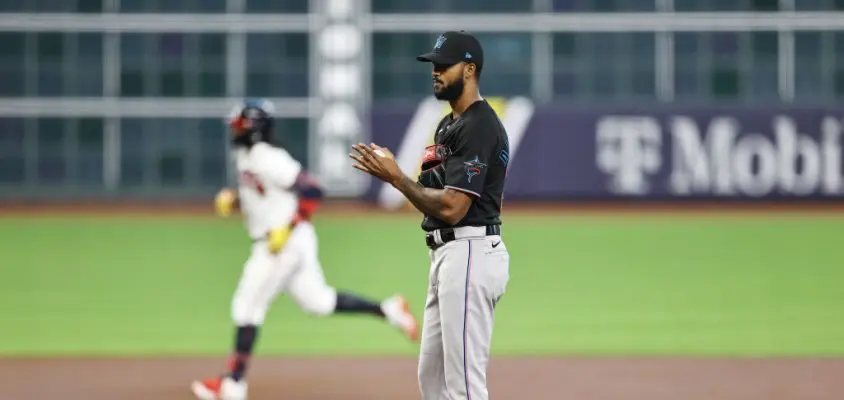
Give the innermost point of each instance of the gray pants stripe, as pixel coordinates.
(466, 321)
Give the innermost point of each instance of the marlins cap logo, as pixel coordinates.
(440, 41)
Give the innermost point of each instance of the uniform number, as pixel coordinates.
(249, 179)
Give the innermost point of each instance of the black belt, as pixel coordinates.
(447, 235)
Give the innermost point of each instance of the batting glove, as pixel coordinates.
(277, 238)
(224, 202)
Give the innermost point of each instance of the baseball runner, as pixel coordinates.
(459, 191)
(277, 198)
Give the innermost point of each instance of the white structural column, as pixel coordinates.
(542, 57)
(235, 76)
(664, 56)
(785, 57)
(339, 80)
(111, 89)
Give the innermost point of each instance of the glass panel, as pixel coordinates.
(63, 64)
(42, 6)
(51, 135)
(212, 84)
(443, 6)
(161, 151)
(277, 65)
(507, 64)
(395, 71)
(808, 45)
(173, 65)
(565, 84)
(765, 45)
(643, 84)
(275, 6)
(686, 45)
(765, 5)
(89, 168)
(51, 46)
(12, 44)
(212, 152)
(171, 169)
(763, 82)
(51, 138)
(90, 142)
(603, 5)
(713, 5)
(89, 133)
(726, 65)
(133, 152)
(838, 39)
(725, 83)
(724, 45)
(12, 64)
(12, 168)
(761, 77)
(11, 150)
(839, 84)
(11, 135)
(687, 83)
(813, 66)
(727, 5)
(814, 5)
(809, 80)
(89, 6)
(171, 6)
(12, 165)
(605, 66)
(50, 52)
(69, 150)
(292, 134)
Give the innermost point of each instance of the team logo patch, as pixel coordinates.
(504, 156)
(439, 43)
(473, 168)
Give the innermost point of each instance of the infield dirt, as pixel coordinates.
(395, 379)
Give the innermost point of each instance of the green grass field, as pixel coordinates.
(623, 286)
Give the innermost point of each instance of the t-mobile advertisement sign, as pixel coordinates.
(671, 153)
(683, 156)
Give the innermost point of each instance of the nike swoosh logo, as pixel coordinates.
(496, 244)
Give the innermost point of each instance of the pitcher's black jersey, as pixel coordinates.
(477, 163)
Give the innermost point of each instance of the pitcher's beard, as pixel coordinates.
(451, 92)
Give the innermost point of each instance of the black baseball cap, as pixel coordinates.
(453, 47)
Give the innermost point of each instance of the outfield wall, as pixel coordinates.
(559, 152)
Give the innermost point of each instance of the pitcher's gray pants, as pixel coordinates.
(468, 276)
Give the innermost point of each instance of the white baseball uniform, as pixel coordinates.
(268, 199)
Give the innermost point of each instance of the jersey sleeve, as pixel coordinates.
(282, 168)
(467, 166)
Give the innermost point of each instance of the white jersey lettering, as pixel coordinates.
(266, 176)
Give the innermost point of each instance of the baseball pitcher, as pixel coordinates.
(459, 191)
(277, 198)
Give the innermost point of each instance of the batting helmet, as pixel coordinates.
(251, 121)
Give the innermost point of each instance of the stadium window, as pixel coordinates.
(89, 6)
(725, 83)
(839, 84)
(766, 5)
